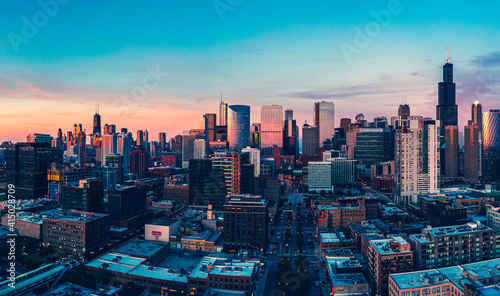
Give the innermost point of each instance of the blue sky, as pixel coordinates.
(254, 52)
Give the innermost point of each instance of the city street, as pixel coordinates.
(290, 250)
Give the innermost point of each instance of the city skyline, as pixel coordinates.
(293, 57)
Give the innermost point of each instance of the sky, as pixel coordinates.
(160, 65)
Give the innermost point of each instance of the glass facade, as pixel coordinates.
(491, 146)
(324, 118)
(271, 134)
(238, 126)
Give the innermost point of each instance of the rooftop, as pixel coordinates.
(348, 279)
(419, 279)
(140, 247)
(383, 246)
(71, 216)
(470, 227)
(164, 222)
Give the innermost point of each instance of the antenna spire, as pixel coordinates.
(221, 98)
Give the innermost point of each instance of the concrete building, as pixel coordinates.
(337, 216)
(388, 256)
(74, 232)
(245, 222)
(417, 160)
(320, 176)
(454, 245)
(161, 230)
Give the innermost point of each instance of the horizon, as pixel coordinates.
(164, 66)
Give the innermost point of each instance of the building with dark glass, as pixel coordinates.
(139, 163)
(446, 109)
(87, 196)
(207, 185)
(451, 151)
(238, 126)
(472, 151)
(27, 165)
(404, 111)
(126, 202)
(491, 146)
(245, 223)
(310, 139)
(374, 145)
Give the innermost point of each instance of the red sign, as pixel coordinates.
(156, 233)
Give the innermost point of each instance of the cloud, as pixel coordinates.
(488, 60)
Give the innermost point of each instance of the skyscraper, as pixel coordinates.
(471, 151)
(206, 184)
(96, 128)
(447, 109)
(27, 165)
(310, 139)
(238, 126)
(138, 162)
(477, 115)
(324, 118)
(109, 145)
(222, 113)
(491, 146)
(209, 124)
(404, 111)
(290, 135)
(451, 151)
(417, 160)
(271, 133)
(162, 141)
(124, 143)
(199, 149)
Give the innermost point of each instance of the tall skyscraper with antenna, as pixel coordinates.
(447, 109)
(97, 122)
(222, 112)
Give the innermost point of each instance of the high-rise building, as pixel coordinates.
(188, 147)
(27, 165)
(477, 115)
(199, 149)
(39, 138)
(124, 144)
(96, 127)
(238, 126)
(374, 145)
(472, 151)
(139, 163)
(109, 145)
(417, 159)
(451, 151)
(162, 141)
(404, 111)
(271, 132)
(320, 176)
(446, 109)
(222, 113)
(310, 139)
(87, 196)
(116, 161)
(290, 135)
(344, 124)
(139, 139)
(126, 201)
(491, 146)
(209, 125)
(324, 118)
(245, 223)
(207, 184)
(255, 135)
(254, 158)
